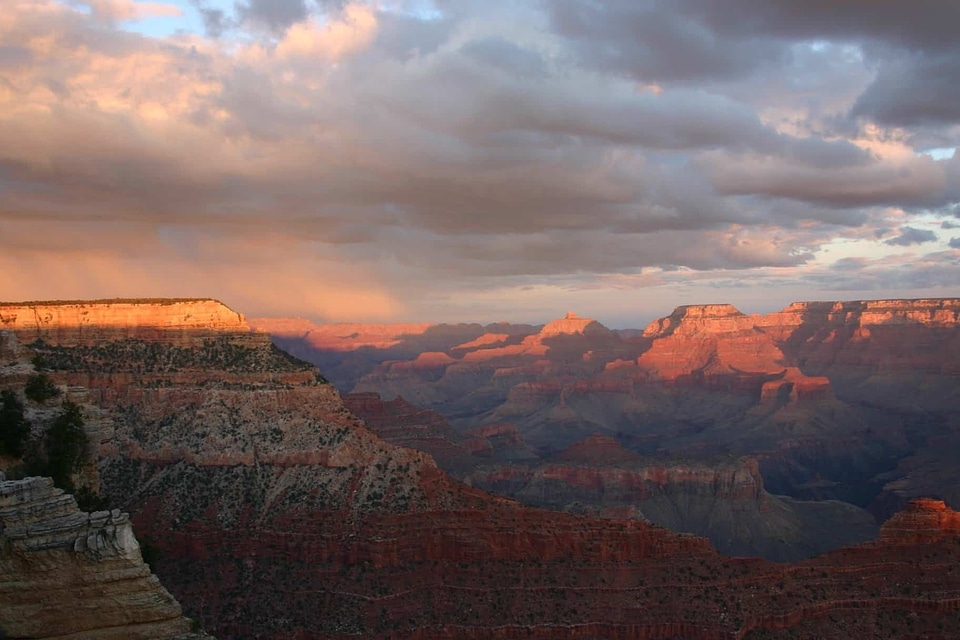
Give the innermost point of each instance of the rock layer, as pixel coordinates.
(65, 572)
(81, 322)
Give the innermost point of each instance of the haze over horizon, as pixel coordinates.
(454, 160)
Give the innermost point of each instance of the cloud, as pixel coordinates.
(348, 33)
(955, 243)
(276, 15)
(910, 236)
(259, 273)
(917, 90)
(215, 20)
(482, 147)
(110, 11)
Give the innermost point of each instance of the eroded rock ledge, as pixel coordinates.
(66, 572)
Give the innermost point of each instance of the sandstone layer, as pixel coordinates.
(68, 573)
(88, 322)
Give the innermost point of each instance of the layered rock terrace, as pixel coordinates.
(68, 573)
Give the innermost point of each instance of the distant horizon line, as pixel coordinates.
(165, 301)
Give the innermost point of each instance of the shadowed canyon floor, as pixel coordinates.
(278, 514)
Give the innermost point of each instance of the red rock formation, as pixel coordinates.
(880, 335)
(406, 425)
(572, 324)
(486, 340)
(714, 345)
(79, 323)
(426, 360)
(923, 522)
(597, 450)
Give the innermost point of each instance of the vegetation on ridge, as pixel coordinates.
(14, 428)
(40, 388)
(222, 353)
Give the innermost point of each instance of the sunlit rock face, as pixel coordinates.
(65, 572)
(85, 323)
(572, 324)
(876, 337)
(922, 522)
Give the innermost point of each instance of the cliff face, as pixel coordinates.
(874, 338)
(85, 323)
(924, 521)
(65, 572)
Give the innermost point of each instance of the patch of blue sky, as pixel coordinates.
(189, 19)
(422, 9)
(943, 153)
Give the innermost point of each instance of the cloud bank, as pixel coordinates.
(399, 160)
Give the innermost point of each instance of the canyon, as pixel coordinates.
(849, 404)
(278, 512)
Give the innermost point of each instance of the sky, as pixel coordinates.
(479, 160)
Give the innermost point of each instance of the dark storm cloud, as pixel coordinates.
(652, 42)
(702, 39)
(920, 182)
(917, 90)
(910, 236)
(506, 56)
(215, 21)
(276, 15)
(915, 45)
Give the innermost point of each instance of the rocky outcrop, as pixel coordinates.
(572, 324)
(340, 337)
(406, 425)
(68, 573)
(924, 521)
(723, 501)
(712, 345)
(877, 340)
(598, 450)
(84, 323)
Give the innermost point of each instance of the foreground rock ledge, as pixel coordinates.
(64, 572)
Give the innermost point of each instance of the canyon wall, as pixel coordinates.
(64, 572)
(88, 322)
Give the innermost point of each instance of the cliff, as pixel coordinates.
(85, 323)
(876, 339)
(572, 324)
(924, 521)
(713, 345)
(64, 572)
